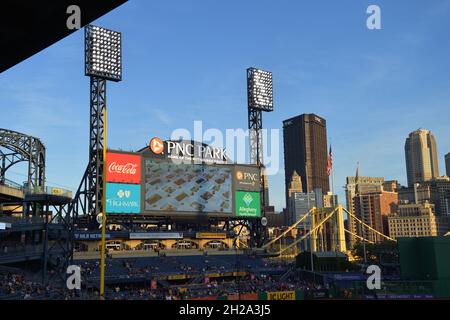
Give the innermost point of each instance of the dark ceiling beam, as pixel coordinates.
(28, 27)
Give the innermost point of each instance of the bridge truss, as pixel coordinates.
(320, 230)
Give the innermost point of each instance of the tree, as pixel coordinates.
(377, 253)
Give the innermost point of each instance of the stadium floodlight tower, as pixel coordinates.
(103, 61)
(260, 98)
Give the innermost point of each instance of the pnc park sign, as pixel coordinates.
(188, 151)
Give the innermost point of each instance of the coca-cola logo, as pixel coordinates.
(128, 168)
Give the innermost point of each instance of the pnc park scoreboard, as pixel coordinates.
(180, 179)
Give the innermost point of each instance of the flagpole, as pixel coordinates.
(334, 202)
(332, 177)
(331, 171)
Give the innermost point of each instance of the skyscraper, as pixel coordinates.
(447, 164)
(421, 157)
(305, 152)
(373, 208)
(359, 185)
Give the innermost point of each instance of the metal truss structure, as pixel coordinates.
(326, 232)
(51, 210)
(57, 233)
(94, 171)
(256, 157)
(18, 147)
(255, 135)
(88, 198)
(255, 231)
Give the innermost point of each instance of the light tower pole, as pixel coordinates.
(103, 61)
(260, 98)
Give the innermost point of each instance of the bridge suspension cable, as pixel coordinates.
(369, 227)
(310, 231)
(338, 210)
(288, 229)
(358, 236)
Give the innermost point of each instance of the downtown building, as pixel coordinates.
(305, 154)
(421, 157)
(358, 184)
(371, 200)
(373, 208)
(447, 164)
(417, 220)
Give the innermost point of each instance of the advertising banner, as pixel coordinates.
(156, 235)
(210, 235)
(122, 167)
(247, 178)
(91, 236)
(248, 204)
(4, 225)
(243, 296)
(281, 295)
(58, 192)
(123, 198)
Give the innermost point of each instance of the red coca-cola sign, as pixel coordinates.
(122, 167)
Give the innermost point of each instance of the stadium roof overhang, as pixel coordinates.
(27, 27)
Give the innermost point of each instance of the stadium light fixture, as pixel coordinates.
(260, 89)
(103, 53)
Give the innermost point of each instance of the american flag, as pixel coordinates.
(330, 162)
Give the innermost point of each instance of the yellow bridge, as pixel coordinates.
(321, 229)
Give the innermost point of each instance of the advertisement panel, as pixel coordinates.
(156, 235)
(123, 198)
(4, 225)
(91, 236)
(58, 191)
(247, 178)
(123, 167)
(247, 204)
(210, 235)
(186, 188)
(281, 295)
(243, 296)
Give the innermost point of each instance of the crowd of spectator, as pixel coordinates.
(17, 286)
(147, 267)
(214, 288)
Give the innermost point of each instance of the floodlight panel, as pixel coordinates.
(103, 53)
(260, 89)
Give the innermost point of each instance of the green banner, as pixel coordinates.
(248, 204)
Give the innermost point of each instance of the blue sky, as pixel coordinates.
(186, 61)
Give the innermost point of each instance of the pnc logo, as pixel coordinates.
(247, 176)
(157, 145)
